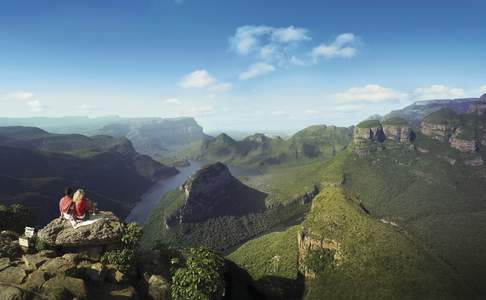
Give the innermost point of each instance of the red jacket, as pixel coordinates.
(80, 208)
(65, 205)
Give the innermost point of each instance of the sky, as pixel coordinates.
(237, 65)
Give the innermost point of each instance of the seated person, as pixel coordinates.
(82, 205)
(66, 205)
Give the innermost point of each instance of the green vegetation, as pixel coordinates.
(445, 116)
(271, 261)
(200, 278)
(318, 260)
(260, 151)
(15, 217)
(125, 259)
(395, 121)
(369, 124)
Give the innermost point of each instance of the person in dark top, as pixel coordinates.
(66, 205)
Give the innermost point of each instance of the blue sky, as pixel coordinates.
(244, 65)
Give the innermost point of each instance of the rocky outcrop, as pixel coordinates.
(475, 161)
(307, 242)
(398, 130)
(367, 137)
(478, 107)
(213, 192)
(61, 233)
(440, 125)
(462, 144)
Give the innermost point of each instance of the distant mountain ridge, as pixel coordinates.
(35, 166)
(153, 136)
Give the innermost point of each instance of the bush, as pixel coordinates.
(201, 278)
(125, 258)
(318, 260)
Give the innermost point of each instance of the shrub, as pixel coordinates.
(201, 278)
(125, 258)
(317, 260)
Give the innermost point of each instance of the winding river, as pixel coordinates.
(150, 198)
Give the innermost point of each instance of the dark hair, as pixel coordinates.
(68, 191)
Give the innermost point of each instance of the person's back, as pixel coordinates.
(66, 203)
(81, 205)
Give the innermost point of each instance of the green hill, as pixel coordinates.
(373, 261)
(260, 151)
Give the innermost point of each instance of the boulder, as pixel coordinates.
(35, 280)
(115, 276)
(158, 288)
(4, 263)
(59, 232)
(13, 275)
(9, 244)
(62, 287)
(124, 293)
(8, 292)
(96, 273)
(34, 261)
(59, 265)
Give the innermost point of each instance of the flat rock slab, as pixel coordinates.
(60, 232)
(65, 285)
(14, 275)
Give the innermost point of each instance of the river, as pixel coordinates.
(152, 196)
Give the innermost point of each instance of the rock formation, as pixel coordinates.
(440, 125)
(213, 192)
(67, 272)
(478, 107)
(60, 233)
(398, 129)
(462, 143)
(306, 242)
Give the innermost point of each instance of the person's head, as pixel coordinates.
(68, 192)
(78, 196)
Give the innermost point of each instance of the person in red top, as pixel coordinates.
(66, 203)
(82, 206)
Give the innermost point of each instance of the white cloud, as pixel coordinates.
(348, 108)
(255, 70)
(482, 89)
(438, 91)
(87, 109)
(212, 96)
(371, 93)
(290, 34)
(20, 95)
(342, 47)
(220, 87)
(311, 112)
(172, 101)
(197, 79)
(36, 106)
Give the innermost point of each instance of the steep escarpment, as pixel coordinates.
(36, 166)
(370, 135)
(479, 106)
(213, 192)
(462, 132)
(216, 210)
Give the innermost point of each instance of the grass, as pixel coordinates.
(395, 121)
(445, 116)
(378, 261)
(369, 124)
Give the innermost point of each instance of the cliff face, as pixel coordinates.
(478, 107)
(213, 192)
(441, 132)
(369, 135)
(307, 243)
